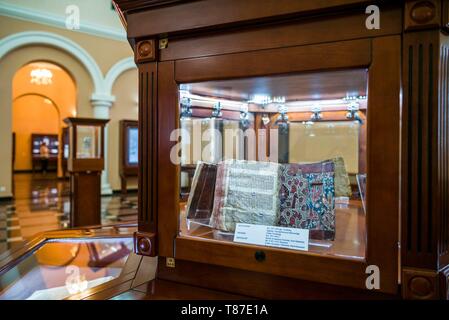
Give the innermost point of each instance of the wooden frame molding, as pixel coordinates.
(419, 284)
(381, 187)
(422, 14)
(425, 149)
(146, 51)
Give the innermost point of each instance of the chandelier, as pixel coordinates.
(41, 76)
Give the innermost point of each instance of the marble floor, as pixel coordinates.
(42, 203)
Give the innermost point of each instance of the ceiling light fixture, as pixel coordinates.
(41, 76)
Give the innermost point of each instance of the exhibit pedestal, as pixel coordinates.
(85, 199)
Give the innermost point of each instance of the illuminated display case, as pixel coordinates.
(86, 147)
(129, 151)
(52, 142)
(259, 190)
(294, 164)
(336, 166)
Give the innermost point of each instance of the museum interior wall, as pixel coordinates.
(124, 98)
(40, 109)
(105, 55)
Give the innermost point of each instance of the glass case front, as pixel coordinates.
(276, 161)
(88, 142)
(60, 268)
(133, 146)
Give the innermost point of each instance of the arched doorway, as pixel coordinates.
(23, 48)
(43, 95)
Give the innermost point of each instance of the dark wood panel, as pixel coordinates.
(383, 128)
(147, 216)
(314, 267)
(306, 86)
(258, 285)
(423, 143)
(83, 165)
(168, 184)
(306, 31)
(203, 14)
(346, 54)
(168, 290)
(130, 5)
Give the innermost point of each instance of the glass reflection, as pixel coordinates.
(62, 268)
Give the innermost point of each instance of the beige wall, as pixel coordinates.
(125, 107)
(94, 12)
(106, 53)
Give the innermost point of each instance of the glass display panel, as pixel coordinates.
(133, 146)
(66, 151)
(88, 142)
(51, 141)
(335, 138)
(276, 161)
(61, 268)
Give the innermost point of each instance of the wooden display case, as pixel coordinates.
(129, 145)
(217, 41)
(85, 164)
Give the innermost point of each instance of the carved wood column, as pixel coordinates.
(146, 60)
(425, 152)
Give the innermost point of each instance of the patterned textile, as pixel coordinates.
(200, 202)
(342, 183)
(307, 198)
(245, 192)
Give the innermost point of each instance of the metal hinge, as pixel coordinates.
(170, 262)
(163, 43)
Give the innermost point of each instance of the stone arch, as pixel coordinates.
(11, 61)
(116, 70)
(28, 38)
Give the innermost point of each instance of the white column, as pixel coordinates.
(101, 105)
